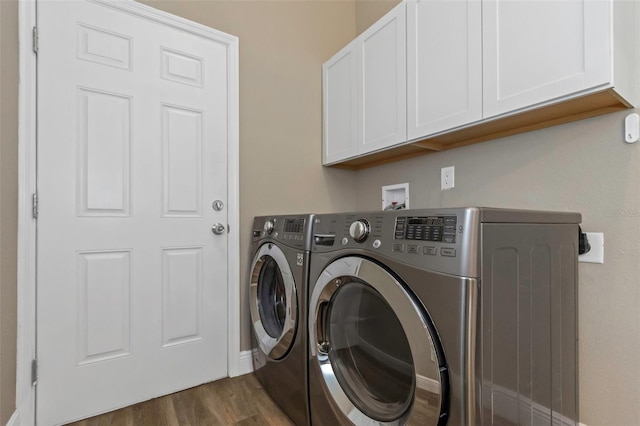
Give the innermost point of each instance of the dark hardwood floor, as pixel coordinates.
(239, 401)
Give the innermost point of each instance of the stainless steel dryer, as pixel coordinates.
(462, 316)
(278, 305)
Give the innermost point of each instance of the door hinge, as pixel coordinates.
(34, 205)
(35, 40)
(34, 372)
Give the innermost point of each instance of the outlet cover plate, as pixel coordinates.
(596, 254)
(447, 178)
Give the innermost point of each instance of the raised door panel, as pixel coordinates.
(444, 65)
(382, 89)
(340, 106)
(538, 51)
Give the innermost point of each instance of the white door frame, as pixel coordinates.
(27, 225)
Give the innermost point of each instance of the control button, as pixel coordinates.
(431, 251)
(413, 249)
(398, 247)
(377, 244)
(359, 230)
(345, 241)
(450, 252)
(268, 227)
(449, 239)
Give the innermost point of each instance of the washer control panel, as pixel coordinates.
(294, 231)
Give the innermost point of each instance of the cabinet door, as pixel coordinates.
(382, 84)
(444, 65)
(536, 51)
(339, 92)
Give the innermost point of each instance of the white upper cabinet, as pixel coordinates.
(444, 65)
(438, 74)
(537, 51)
(340, 136)
(382, 96)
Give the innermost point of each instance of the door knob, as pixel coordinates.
(218, 229)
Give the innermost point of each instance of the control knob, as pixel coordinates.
(359, 230)
(268, 227)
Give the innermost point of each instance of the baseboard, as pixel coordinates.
(14, 420)
(511, 406)
(245, 363)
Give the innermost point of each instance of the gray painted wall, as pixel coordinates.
(581, 166)
(282, 47)
(584, 167)
(8, 203)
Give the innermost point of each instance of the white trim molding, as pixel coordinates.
(233, 213)
(27, 227)
(245, 366)
(26, 345)
(512, 406)
(14, 420)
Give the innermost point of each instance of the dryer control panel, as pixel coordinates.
(427, 228)
(443, 240)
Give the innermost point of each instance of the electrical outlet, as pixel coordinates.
(596, 254)
(447, 178)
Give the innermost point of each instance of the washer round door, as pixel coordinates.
(377, 351)
(273, 300)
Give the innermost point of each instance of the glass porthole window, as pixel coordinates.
(273, 301)
(375, 347)
(370, 353)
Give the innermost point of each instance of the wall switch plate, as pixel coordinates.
(596, 254)
(447, 178)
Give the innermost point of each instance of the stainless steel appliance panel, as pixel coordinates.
(529, 324)
(278, 304)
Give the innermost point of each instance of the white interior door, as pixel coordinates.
(132, 151)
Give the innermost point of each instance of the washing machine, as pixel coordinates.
(278, 307)
(461, 316)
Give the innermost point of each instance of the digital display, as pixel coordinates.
(429, 221)
(428, 228)
(294, 225)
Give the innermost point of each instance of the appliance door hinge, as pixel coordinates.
(34, 205)
(34, 372)
(35, 40)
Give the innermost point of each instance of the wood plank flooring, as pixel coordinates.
(240, 401)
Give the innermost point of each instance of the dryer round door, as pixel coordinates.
(273, 300)
(377, 351)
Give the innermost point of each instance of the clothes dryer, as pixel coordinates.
(278, 305)
(463, 316)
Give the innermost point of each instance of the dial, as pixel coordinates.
(359, 230)
(268, 227)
